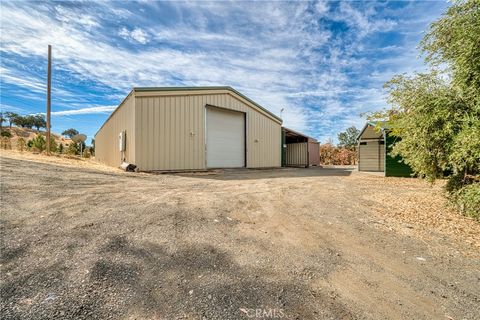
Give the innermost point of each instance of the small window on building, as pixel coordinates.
(363, 143)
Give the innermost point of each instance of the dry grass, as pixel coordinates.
(416, 207)
(62, 160)
(28, 134)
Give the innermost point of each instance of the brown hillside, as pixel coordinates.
(28, 134)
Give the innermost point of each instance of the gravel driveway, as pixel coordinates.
(82, 243)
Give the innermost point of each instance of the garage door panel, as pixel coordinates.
(225, 138)
(371, 156)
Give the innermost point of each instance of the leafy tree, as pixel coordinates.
(2, 119)
(348, 138)
(426, 115)
(454, 41)
(60, 148)
(11, 116)
(30, 121)
(70, 132)
(18, 120)
(92, 148)
(437, 114)
(25, 121)
(39, 121)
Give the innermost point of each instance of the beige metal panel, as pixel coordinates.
(180, 122)
(187, 93)
(382, 157)
(106, 139)
(371, 156)
(296, 154)
(313, 152)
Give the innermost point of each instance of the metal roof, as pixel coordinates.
(298, 133)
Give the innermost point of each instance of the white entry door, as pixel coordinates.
(225, 138)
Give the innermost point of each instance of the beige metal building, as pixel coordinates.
(191, 128)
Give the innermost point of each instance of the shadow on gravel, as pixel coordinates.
(255, 174)
(149, 281)
(200, 281)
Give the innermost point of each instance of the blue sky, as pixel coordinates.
(323, 62)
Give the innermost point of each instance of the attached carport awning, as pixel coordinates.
(299, 150)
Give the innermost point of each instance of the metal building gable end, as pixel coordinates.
(207, 89)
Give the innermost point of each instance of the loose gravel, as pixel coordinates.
(80, 242)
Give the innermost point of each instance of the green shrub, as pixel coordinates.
(454, 183)
(73, 149)
(468, 200)
(6, 134)
(53, 145)
(37, 144)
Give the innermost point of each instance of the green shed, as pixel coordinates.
(374, 146)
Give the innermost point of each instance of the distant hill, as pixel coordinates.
(28, 134)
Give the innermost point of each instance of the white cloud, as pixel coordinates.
(71, 17)
(83, 111)
(362, 21)
(31, 83)
(136, 34)
(284, 58)
(321, 7)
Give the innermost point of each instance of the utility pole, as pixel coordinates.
(49, 95)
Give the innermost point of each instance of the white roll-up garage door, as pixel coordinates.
(225, 138)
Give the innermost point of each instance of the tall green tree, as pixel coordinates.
(20, 121)
(454, 41)
(39, 121)
(348, 138)
(11, 116)
(29, 121)
(437, 114)
(70, 132)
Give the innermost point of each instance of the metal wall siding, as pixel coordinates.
(106, 139)
(296, 154)
(313, 153)
(371, 156)
(165, 123)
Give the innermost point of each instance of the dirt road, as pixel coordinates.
(294, 243)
